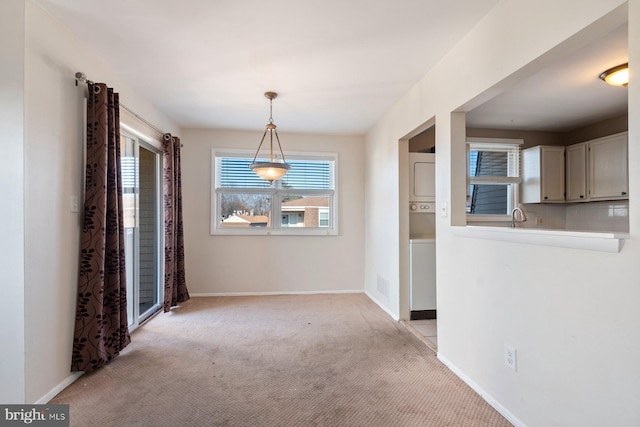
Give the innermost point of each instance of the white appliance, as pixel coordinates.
(423, 274)
(422, 182)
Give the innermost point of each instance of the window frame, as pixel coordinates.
(276, 194)
(513, 194)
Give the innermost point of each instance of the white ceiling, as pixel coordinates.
(564, 96)
(338, 65)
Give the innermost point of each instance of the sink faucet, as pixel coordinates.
(517, 214)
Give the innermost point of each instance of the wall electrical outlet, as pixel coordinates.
(539, 220)
(510, 357)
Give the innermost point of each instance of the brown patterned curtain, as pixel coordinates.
(175, 285)
(101, 329)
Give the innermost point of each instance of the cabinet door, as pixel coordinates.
(608, 169)
(552, 168)
(531, 177)
(576, 177)
(424, 180)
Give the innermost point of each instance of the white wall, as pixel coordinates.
(53, 144)
(572, 315)
(12, 386)
(255, 264)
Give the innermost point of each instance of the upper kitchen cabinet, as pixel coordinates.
(576, 177)
(595, 170)
(543, 174)
(608, 168)
(598, 169)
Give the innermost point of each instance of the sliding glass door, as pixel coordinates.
(142, 189)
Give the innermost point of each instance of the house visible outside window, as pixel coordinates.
(493, 175)
(303, 202)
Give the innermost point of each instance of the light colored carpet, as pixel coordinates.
(302, 360)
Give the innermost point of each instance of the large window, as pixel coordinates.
(302, 202)
(493, 175)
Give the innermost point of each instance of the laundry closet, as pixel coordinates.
(422, 226)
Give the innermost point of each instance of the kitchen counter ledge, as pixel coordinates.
(595, 241)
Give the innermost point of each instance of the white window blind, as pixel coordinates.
(234, 172)
(494, 163)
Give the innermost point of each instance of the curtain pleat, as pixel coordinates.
(175, 285)
(101, 326)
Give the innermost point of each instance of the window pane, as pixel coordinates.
(324, 218)
(488, 163)
(488, 199)
(244, 210)
(494, 169)
(309, 174)
(303, 198)
(234, 172)
(305, 211)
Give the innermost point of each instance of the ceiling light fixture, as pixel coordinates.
(271, 170)
(617, 76)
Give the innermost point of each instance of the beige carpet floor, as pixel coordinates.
(301, 360)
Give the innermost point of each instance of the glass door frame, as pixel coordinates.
(134, 298)
(159, 232)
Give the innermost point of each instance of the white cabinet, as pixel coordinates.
(422, 264)
(608, 168)
(543, 174)
(598, 169)
(576, 177)
(422, 177)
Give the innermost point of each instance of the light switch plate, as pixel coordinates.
(74, 204)
(443, 209)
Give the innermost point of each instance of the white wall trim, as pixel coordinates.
(483, 394)
(242, 294)
(382, 306)
(57, 389)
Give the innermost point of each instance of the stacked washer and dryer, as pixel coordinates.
(422, 242)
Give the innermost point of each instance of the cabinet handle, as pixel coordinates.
(624, 193)
(581, 196)
(545, 197)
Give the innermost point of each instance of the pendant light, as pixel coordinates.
(271, 170)
(617, 76)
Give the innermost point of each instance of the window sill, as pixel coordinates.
(594, 241)
(292, 231)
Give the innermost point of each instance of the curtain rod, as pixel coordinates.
(83, 78)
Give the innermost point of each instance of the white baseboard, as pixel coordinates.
(379, 304)
(487, 398)
(244, 294)
(57, 389)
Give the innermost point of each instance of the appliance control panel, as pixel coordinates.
(422, 207)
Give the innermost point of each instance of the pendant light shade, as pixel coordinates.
(617, 76)
(271, 170)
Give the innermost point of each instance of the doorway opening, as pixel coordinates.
(141, 170)
(422, 232)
